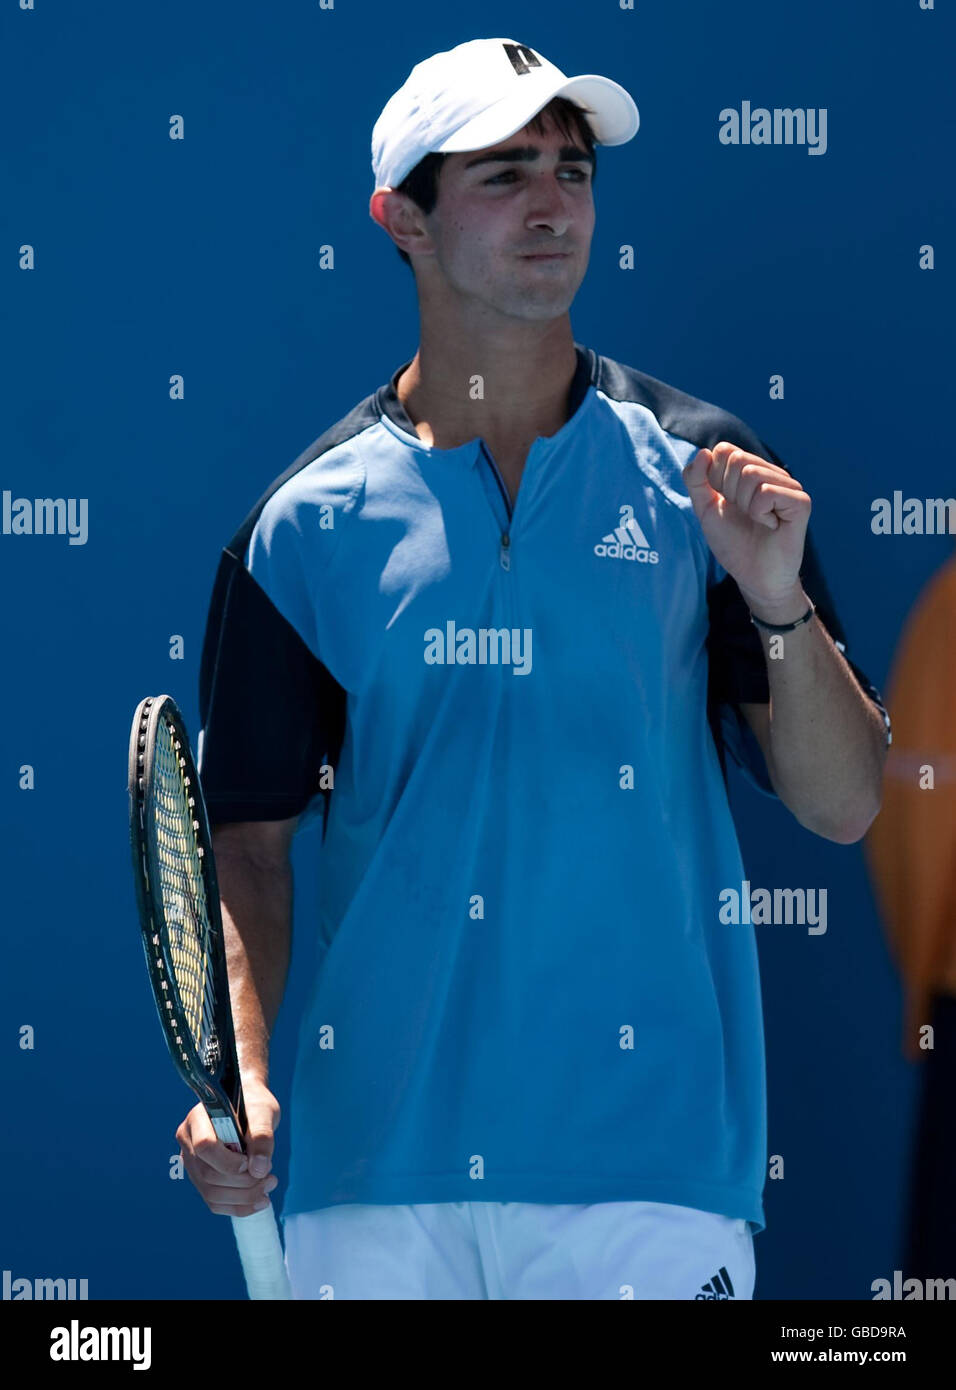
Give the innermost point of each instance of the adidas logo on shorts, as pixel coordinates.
(627, 542)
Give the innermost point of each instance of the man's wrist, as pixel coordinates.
(254, 1068)
(785, 609)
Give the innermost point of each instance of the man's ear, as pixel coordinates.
(402, 218)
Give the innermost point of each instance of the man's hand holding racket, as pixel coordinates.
(231, 1183)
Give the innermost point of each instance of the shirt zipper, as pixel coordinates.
(504, 543)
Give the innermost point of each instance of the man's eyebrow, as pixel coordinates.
(568, 154)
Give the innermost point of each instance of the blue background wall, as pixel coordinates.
(200, 257)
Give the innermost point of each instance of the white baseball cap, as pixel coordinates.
(478, 94)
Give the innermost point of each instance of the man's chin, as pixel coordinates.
(541, 301)
(536, 310)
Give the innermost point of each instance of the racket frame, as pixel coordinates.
(219, 1086)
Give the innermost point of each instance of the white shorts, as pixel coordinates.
(523, 1250)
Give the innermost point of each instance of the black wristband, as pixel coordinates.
(785, 627)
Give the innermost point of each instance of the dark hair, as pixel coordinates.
(421, 183)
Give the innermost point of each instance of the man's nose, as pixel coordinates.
(548, 205)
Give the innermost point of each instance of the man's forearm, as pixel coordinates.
(257, 921)
(827, 741)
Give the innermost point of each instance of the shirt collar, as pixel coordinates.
(391, 406)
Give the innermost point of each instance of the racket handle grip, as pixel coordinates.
(260, 1251)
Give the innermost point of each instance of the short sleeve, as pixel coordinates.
(738, 669)
(271, 713)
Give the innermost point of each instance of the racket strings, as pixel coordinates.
(183, 893)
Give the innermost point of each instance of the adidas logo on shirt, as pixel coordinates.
(627, 541)
(719, 1287)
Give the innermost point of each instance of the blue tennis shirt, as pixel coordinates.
(513, 723)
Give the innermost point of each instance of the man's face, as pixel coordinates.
(513, 224)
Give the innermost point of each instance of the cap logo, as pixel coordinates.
(523, 59)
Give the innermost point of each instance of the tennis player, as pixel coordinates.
(497, 630)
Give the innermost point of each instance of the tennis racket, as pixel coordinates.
(178, 899)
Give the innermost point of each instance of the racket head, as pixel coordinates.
(178, 898)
